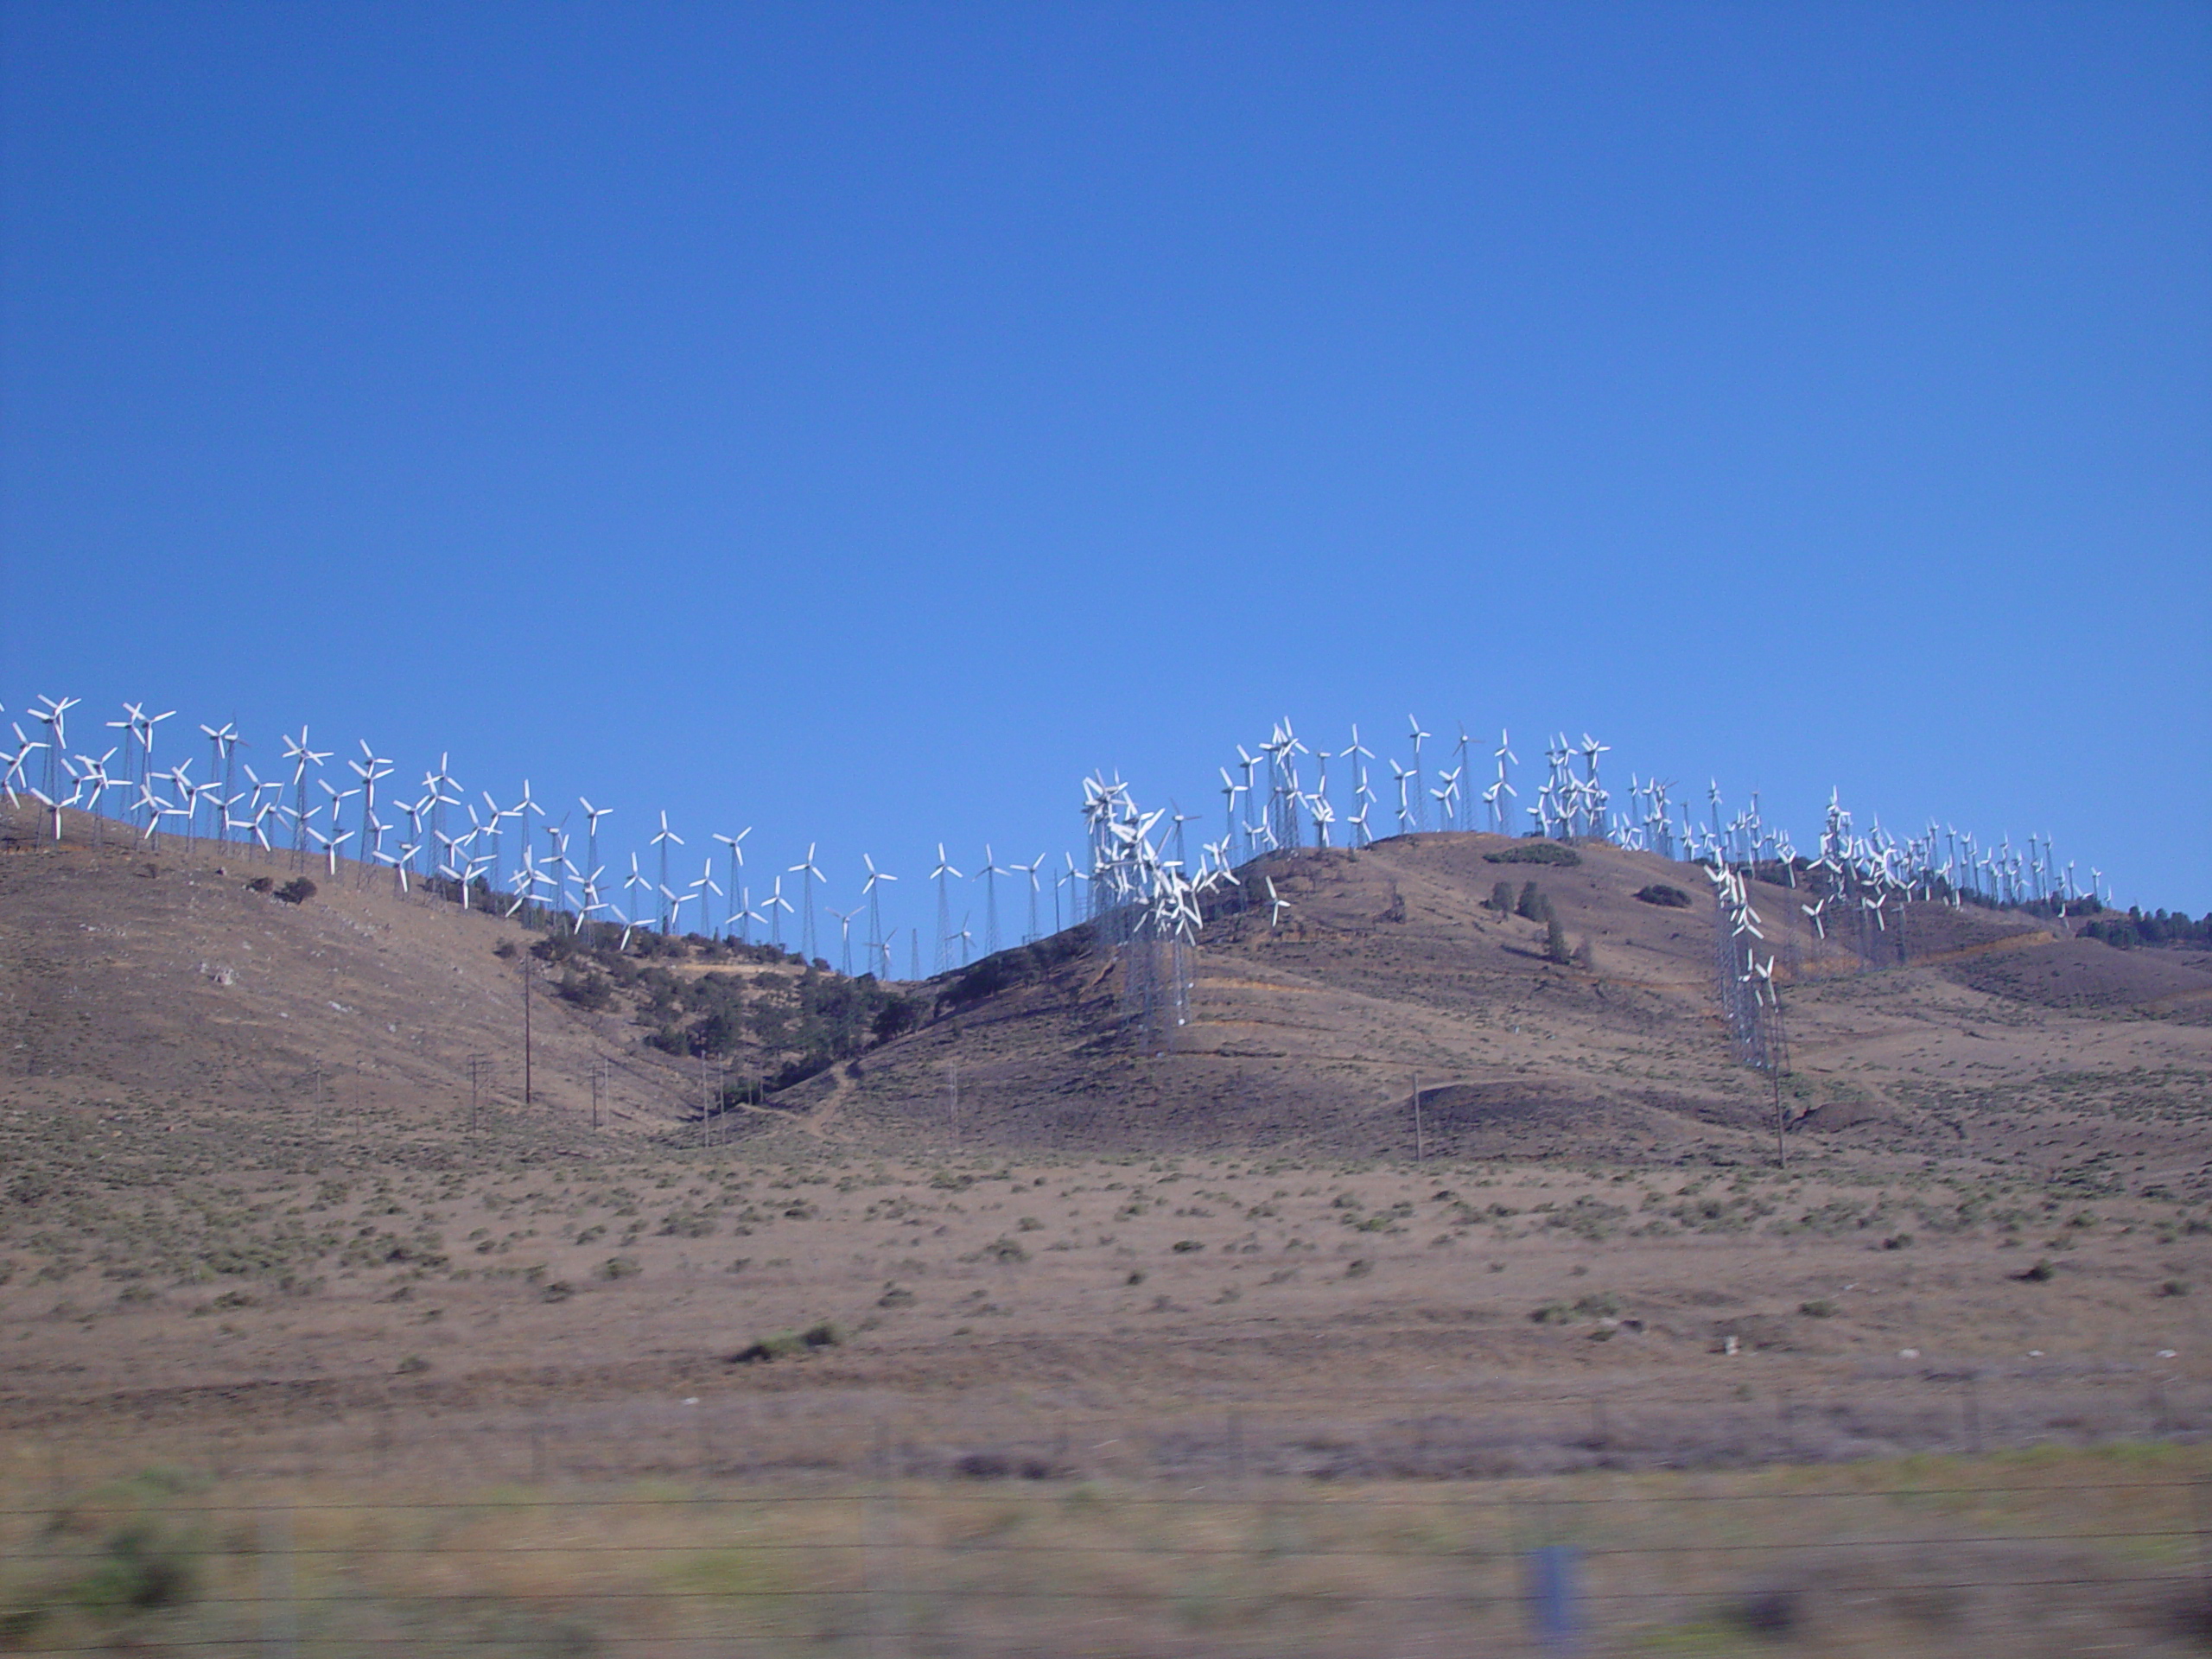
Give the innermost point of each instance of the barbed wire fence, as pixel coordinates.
(773, 1524)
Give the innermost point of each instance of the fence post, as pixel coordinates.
(1554, 1590)
(280, 1589)
(878, 1550)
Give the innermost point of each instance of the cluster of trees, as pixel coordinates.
(812, 1022)
(1535, 906)
(1006, 968)
(2157, 927)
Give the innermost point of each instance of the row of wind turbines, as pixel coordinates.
(1136, 876)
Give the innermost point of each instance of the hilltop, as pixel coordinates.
(1420, 967)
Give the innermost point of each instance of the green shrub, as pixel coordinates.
(140, 1568)
(297, 891)
(790, 1345)
(1555, 946)
(1535, 852)
(1666, 897)
(1819, 1308)
(620, 1267)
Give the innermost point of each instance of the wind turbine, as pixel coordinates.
(298, 751)
(808, 875)
(56, 718)
(1072, 875)
(1419, 807)
(661, 841)
(592, 816)
(737, 862)
(778, 907)
(1030, 869)
(875, 942)
(1248, 762)
(222, 741)
(371, 769)
(704, 885)
(944, 908)
(990, 873)
(1359, 756)
(845, 923)
(1404, 777)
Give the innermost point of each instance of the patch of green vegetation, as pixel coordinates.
(1535, 852)
(790, 1345)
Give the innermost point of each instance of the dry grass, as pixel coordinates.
(2025, 1555)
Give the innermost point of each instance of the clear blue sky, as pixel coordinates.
(859, 422)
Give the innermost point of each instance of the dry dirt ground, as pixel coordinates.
(248, 1232)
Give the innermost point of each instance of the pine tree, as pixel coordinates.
(1555, 946)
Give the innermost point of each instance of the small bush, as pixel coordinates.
(413, 1365)
(260, 884)
(2174, 1288)
(790, 1345)
(895, 1296)
(620, 1267)
(1535, 852)
(297, 891)
(1187, 1246)
(783, 1344)
(140, 1569)
(2041, 1273)
(1819, 1308)
(1666, 897)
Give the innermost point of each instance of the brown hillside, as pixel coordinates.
(166, 982)
(1388, 971)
